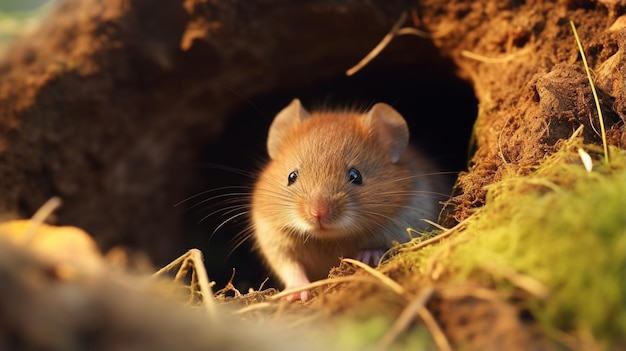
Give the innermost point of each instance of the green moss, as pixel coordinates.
(364, 334)
(551, 241)
(563, 228)
(16, 17)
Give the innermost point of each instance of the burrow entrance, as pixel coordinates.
(439, 107)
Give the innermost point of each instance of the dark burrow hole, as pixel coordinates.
(439, 107)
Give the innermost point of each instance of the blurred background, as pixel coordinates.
(224, 172)
(17, 16)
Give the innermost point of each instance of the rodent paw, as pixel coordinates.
(300, 295)
(370, 256)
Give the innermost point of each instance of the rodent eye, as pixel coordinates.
(355, 176)
(292, 177)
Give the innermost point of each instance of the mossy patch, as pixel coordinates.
(552, 241)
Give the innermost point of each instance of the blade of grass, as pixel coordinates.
(593, 90)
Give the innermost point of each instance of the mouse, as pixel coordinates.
(339, 184)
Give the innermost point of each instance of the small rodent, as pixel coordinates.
(339, 184)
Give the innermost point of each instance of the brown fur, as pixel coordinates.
(322, 147)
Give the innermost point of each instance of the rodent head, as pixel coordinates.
(334, 174)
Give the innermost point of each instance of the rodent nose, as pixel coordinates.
(319, 208)
(319, 212)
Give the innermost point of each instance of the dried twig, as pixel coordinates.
(416, 307)
(434, 224)
(397, 288)
(229, 286)
(39, 217)
(378, 48)
(413, 31)
(263, 283)
(593, 90)
(322, 282)
(435, 239)
(501, 59)
(520, 280)
(193, 259)
(473, 291)
(254, 307)
(431, 324)
(395, 31)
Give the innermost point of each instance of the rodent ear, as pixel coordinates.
(284, 121)
(390, 127)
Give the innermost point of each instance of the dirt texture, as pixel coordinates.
(113, 310)
(529, 80)
(108, 101)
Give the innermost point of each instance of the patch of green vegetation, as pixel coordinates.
(18, 16)
(21, 5)
(364, 334)
(559, 234)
